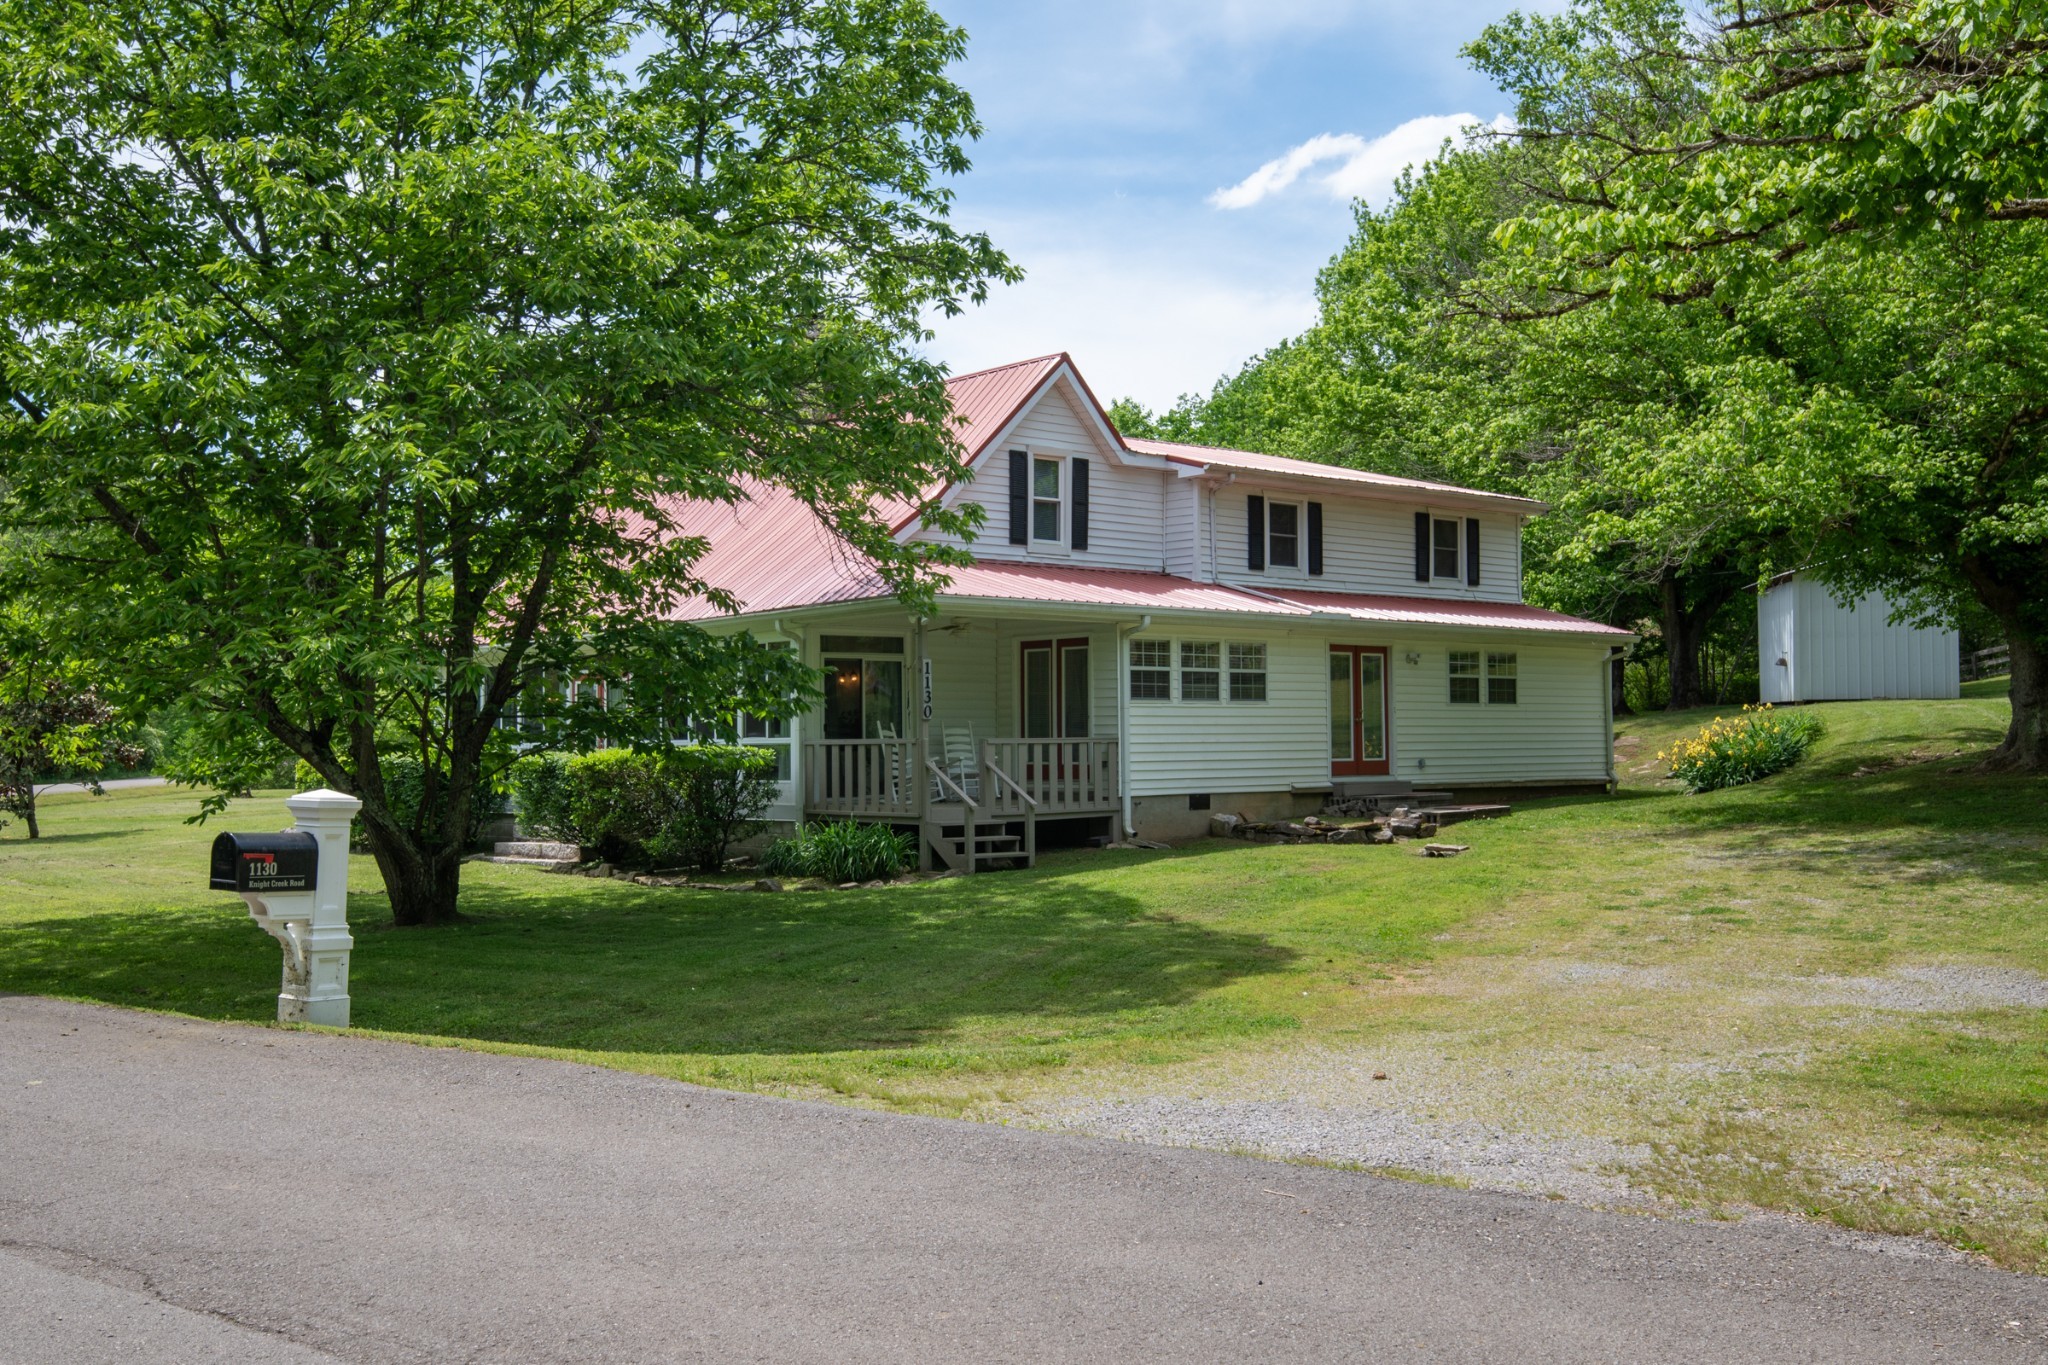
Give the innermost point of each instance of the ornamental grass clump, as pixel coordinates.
(1747, 748)
(843, 852)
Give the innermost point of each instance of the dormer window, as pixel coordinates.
(1045, 500)
(1048, 501)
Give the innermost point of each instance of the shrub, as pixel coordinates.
(615, 803)
(714, 796)
(540, 795)
(845, 852)
(686, 805)
(1748, 748)
(405, 783)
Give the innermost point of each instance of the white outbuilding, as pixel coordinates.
(1811, 647)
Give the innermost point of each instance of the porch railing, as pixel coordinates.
(880, 778)
(862, 777)
(1059, 774)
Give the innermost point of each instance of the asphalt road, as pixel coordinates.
(179, 1191)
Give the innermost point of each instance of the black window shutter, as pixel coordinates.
(1081, 504)
(1422, 547)
(1472, 551)
(1315, 538)
(1020, 498)
(1255, 532)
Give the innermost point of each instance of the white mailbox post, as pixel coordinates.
(296, 887)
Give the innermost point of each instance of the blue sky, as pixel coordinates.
(1172, 173)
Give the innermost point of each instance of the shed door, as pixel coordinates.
(1358, 711)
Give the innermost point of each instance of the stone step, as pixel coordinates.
(528, 850)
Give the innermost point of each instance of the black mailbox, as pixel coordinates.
(266, 862)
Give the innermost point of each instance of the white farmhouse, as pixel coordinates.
(1153, 631)
(1811, 647)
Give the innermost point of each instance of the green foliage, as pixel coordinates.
(1857, 192)
(1749, 748)
(54, 724)
(686, 805)
(360, 364)
(1690, 154)
(841, 852)
(718, 793)
(540, 796)
(406, 786)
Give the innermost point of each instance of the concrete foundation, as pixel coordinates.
(1168, 820)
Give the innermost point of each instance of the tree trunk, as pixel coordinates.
(28, 814)
(422, 890)
(2025, 749)
(1685, 632)
(1619, 672)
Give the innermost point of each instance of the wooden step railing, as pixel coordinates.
(1050, 776)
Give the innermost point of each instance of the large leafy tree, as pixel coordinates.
(359, 352)
(1655, 434)
(1865, 181)
(55, 726)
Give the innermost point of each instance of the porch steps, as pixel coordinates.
(530, 853)
(973, 845)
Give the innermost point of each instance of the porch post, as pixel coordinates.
(921, 752)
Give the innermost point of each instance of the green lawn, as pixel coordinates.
(1816, 993)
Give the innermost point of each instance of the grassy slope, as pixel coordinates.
(1638, 968)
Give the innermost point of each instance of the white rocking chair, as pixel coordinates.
(961, 761)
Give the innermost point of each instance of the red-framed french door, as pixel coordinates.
(1053, 695)
(1358, 711)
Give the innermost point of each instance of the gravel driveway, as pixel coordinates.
(183, 1190)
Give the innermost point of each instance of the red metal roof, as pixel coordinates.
(1103, 588)
(773, 554)
(1432, 611)
(984, 402)
(1250, 462)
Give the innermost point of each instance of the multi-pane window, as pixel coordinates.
(768, 733)
(1500, 679)
(1045, 499)
(1443, 544)
(1201, 671)
(1465, 676)
(1151, 670)
(1283, 535)
(1247, 672)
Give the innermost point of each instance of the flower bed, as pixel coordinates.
(1747, 748)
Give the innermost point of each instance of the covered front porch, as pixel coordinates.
(972, 729)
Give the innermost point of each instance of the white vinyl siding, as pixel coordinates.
(1127, 522)
(1186, 505)
(1368, 546)
(1272, 745)
(1555, 732)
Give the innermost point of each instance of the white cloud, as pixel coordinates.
(1366, 168)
